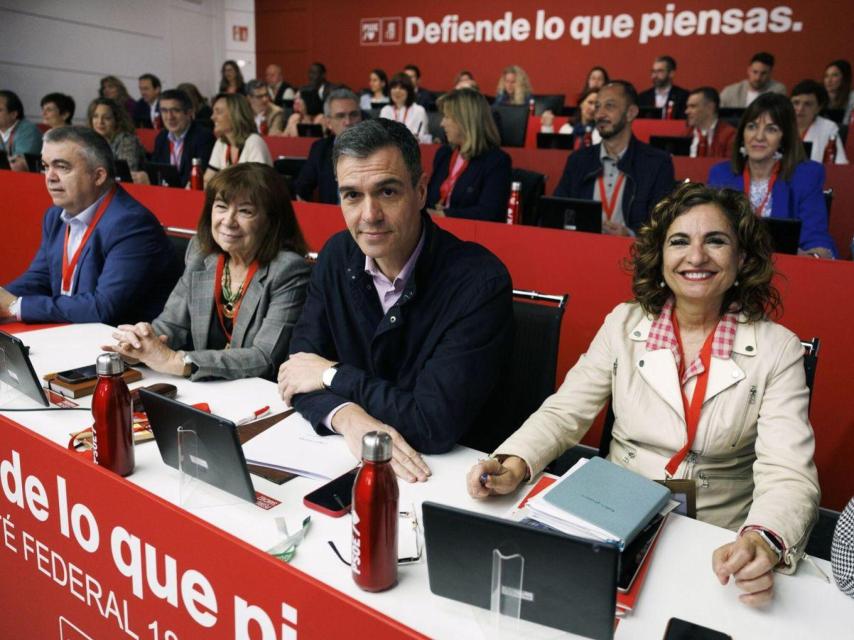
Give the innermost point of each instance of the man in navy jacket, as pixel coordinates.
(103, 256)
(406, 328)
(626, 175)
(181, 139)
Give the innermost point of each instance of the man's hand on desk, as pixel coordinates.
(302, 373)
(353, 422)
(6, 299)
(751, 563)
(139, 343)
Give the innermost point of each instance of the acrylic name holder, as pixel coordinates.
(195, 467)
(506, 594)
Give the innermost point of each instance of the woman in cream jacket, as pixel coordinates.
(702, 283)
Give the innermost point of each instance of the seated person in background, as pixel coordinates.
(318, 82)
(769, 165)
(404, 109)
(17, 134)
(181, 140)
(808, 99)
(231, 314)
(471, 174)
(465, 80)
(269, 119)
(710, 136)
(627, 176)
(584, 121)
(837, 83)
(597, 78)
(113, 123)
(703, 292)
(231, 79)
(422, 96)
(308, 109)
(57, 110)
(514, 88)
(663, 90)
(742, 94)
(103, 256)
(341, 110)
(377, 92)
(114, 89)
(147, 109)
(277, 88)
(237, 139)
(406, 328)
(201, 109)
(842, 550)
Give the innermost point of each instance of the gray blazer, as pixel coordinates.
(735, 95)
(270, 308)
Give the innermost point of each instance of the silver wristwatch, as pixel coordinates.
(328, 375)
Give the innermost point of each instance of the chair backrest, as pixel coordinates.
(810, 363)
(553, 103)
(180, 239)
(513, 125)
(821, 537)
(533, 186)
(530, 378)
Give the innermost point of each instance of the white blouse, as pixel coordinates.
(414, 117)
(254, 150)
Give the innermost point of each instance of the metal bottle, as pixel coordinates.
(112, 442)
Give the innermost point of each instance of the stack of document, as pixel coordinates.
(292, 445)
(600, 500)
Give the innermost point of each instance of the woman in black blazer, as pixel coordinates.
(471, 174)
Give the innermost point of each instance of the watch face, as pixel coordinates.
(327, 376)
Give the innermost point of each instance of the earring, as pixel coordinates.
(778, 155)
(661, 285)
(742, 151)
(735, 284)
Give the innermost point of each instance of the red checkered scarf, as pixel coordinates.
(662, 336)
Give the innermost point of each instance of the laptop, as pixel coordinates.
(123, 171)
(785, 234)
(572, 214)
(160, 172)
(568, 583)
(310, 130)
(217, 459)
(674, 145)
(4, 161)
(17, 371)
(555, 141)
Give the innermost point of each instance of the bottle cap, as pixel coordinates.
(516, 186)
(109, 364)
(376, 446)
(196, 162)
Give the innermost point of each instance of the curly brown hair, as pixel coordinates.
(754, 296)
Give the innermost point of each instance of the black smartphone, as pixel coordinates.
(334, 497)
(678, 629)
(80, 374)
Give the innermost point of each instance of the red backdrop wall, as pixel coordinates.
(805, 37)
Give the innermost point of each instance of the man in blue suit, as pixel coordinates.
(103, 256)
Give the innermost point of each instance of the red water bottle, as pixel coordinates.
(112, 435)
(830, 151)
(588, 136)
(197, 182)
(375, 497)
(668, 110)
(513, 203)
(531, 106)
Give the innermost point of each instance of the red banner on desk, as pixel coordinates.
(85, 554)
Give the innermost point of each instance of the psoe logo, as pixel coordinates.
(380, 31)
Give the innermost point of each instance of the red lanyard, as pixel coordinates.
(228, 154)
(453, 175)
(692, 410)
(69, 267)
(608, 206)
(176, 149)
(405, 113)
(771, 181)
(220, 304)
(11, 139)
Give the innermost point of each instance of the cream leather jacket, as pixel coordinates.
(753, 454)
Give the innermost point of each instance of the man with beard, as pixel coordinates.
(663, 90)
(627, 176)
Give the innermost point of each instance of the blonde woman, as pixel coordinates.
(237, 138)
(514, 87)
(471, 174)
